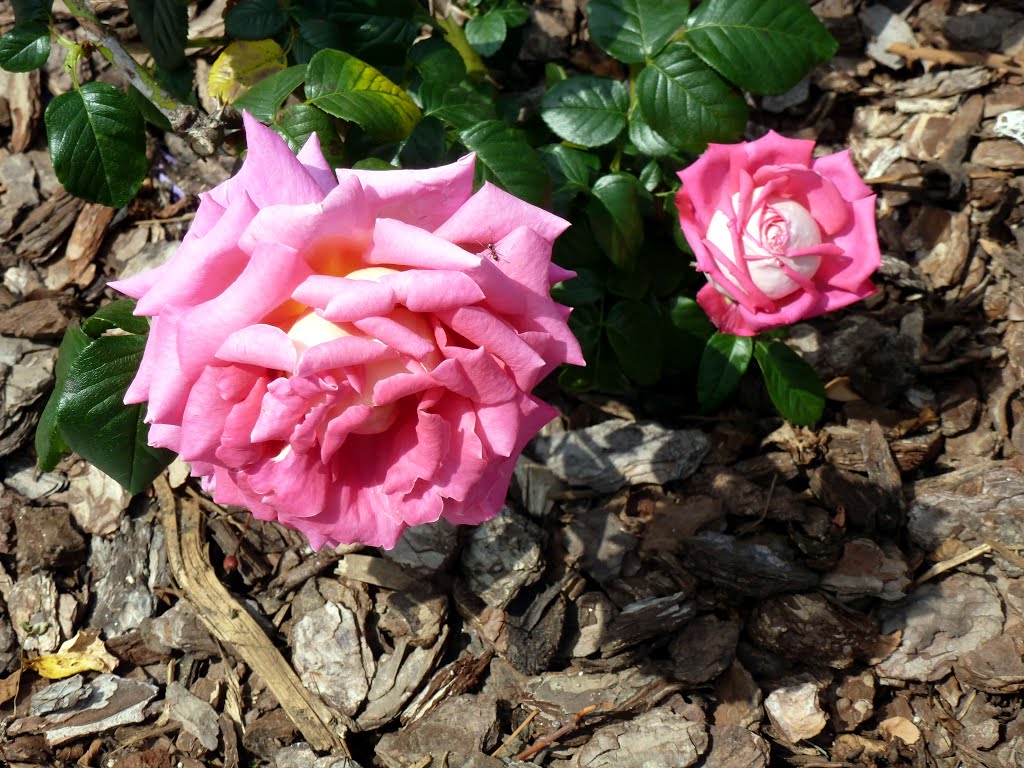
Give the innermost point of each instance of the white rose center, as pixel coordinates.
(774, 229)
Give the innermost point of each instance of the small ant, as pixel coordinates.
(491, 250)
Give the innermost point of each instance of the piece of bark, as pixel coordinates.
(854, 701)
(327, 654)
(599, 541)
(560, 695)
(400, 673)
(704, 649)
(47, 539)
(179, 629)
(76, 266)
(995, 666)
(592, 612)
(26, 372)
(24, 97)
(425, 549)
(467, 723)
(37, 319)
(647, 619)
(658, 737)
(502, 556)
(980, 502)
(941, 621)
(196, 716)
(811, 630)
(96, 500)
(32, 605)
(301, 756)
(125, 580)
(616, 453)
(795, 713)
(733, 746)
(747, 567)
(43, 229)
(74, 708)
(867, 570)
(739, 698)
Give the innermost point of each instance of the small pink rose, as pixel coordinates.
(781, 237)
(351, 353)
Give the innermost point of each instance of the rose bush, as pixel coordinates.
(781, 237)
(351, 353)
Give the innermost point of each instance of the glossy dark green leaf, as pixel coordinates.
(378, 31)
(634, 332)
(615, 218)
(315, 35)
(94, 421)
(722, 365)
(255, 19)
(50, 446)
(514, 12)
(266, 97)
(764, 46)
(163, 27)
(437, 61)
(687, 315)
(31, 10)
(97, 143)
(486, 33)
(299, 121)
(646, 139)
(505, 157)
(586, 110)
(117, 314)
(26, 47)
(794, 387)
(461, 106)
(633, 30)
(586, 288)
(685, 101)
(351, 89)
(426, 145)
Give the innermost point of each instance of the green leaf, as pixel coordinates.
(571, 170)
(346, 87)
(163, 27)
(426, 146)
(645, 138)
(50, 446)
(437, 61)
(764, 46)
(26, 47)
(586, 288)
(315, 35)
(31, 10)
(97, 144)
(378, 31)
(615, 218)
(633, 30)
(515, 13)
(586, 110)
(116, 314)
(255, 19)
(634, 333)
(684, 101)
(687, 315)
(505, 157)
(650, 176)
(266, 97)
(300, 121)
(95, 422)
(722, 365)
(794, 387)
(486, 33)
(460, 106)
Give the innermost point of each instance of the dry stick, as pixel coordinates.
(516, 732)
(959, 58)
(232, 625)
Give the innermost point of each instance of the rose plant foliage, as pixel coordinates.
(351, 353)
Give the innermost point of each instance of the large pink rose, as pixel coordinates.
(351, 353)
(781, 237)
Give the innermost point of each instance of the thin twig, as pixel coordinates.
(959, 58)
(516, 732)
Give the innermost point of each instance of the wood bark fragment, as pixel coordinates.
(230, 623)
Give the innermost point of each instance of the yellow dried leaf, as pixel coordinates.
(241, 65)
(84, 652)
